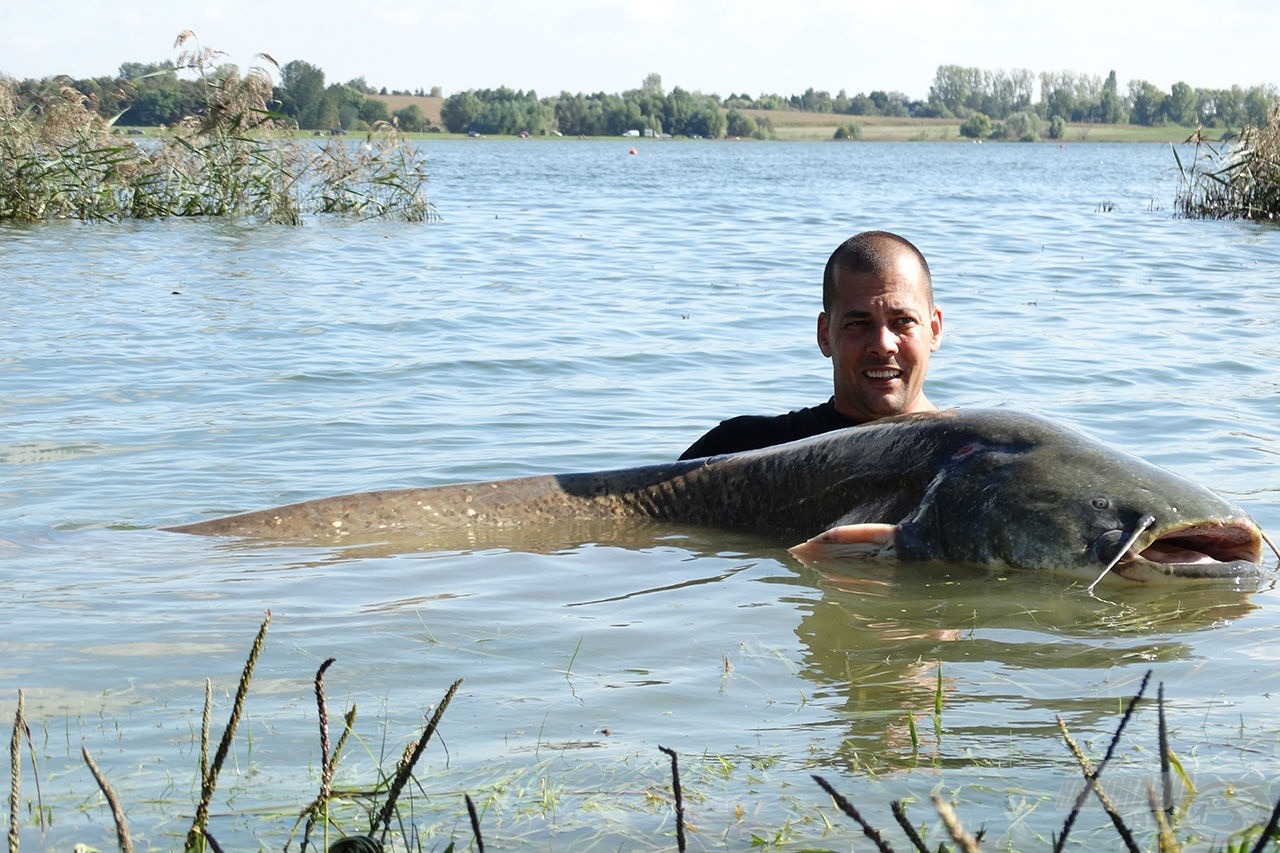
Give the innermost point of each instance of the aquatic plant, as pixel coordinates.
(59, 159)
(1237, 179)
(374, 833)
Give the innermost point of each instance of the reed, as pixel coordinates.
(15, 771)
(198, 834)
(385, 810)
(1255, 838)
(59, 159)
(1233, 180)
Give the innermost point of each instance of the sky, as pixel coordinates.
(718, 47)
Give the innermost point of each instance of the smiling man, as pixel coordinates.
(879, 326)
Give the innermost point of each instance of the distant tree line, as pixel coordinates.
(646, 110)
(963, 92)
(1003, 104)
(1014, 104)
(155, 95)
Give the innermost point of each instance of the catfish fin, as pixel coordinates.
(849, 540)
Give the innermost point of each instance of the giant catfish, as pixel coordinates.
(986, 487)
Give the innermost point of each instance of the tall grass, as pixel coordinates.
(60, 160)
(1239, 180)
(373, 820)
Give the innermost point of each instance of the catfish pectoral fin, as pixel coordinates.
(849, 540)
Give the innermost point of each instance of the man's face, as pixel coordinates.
(879, 335)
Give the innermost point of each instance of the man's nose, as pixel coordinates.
(884, 341)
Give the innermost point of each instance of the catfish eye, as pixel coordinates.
(1101, 503)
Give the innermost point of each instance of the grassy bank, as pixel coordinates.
(818, 126)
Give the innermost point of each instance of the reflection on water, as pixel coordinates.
(874, 642)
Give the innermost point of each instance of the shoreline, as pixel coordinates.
(796, 126)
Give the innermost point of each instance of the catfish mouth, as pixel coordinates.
(1210, 550)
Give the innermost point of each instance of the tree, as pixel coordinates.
(1004, 92)
(1110, 109)
(956, 90)
(497, 111)
(707, 121)
(139, 70)
(1059, 101)
(771, 102)
(1228, 107)
(861, 105)
(976, 126)
(689, 114)
(891, 103)
(343, 104)
(619, 115)
(1148, 103)
(652, 104)
(411, 118)
(326, 115)
(154, 107)
(677, 109)
(738, 123)
(302, 95)
(814, 101)
(373, 111)
(1180, 106)
(575, 115)
(1258, 101)
(460, 111)
(1024, 125)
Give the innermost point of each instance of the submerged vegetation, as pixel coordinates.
(1238, 179)
(60, 159)
(385, 816)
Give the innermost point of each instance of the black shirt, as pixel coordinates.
(749, 432)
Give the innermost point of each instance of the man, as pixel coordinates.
(878, 326)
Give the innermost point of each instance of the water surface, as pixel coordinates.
(581, 308)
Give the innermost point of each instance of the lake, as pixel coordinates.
(579, 307)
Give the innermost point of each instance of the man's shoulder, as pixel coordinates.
(796, 420)
(751, 432)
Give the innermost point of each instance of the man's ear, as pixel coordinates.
(936, 326)
(824, 334)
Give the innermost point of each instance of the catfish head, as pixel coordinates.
(1047, 497)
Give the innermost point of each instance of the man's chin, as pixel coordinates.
(883, 405)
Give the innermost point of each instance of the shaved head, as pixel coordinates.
(874, 252)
